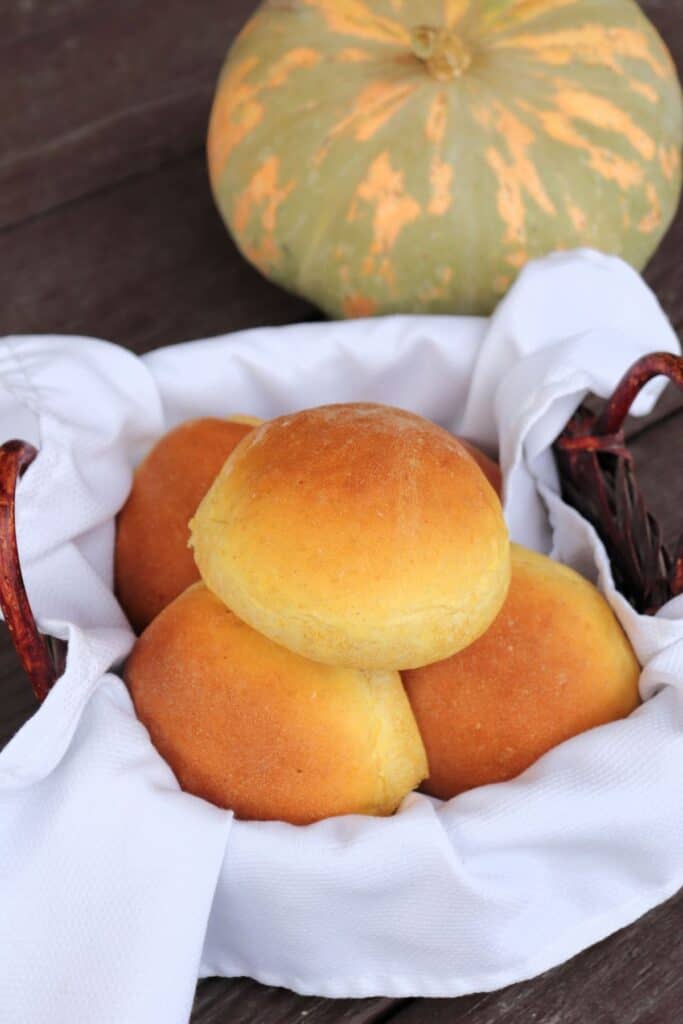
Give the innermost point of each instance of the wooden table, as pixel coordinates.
(107, 229)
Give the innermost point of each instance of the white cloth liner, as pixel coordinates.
(117, 890)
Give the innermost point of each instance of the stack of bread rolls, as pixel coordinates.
(332, 615)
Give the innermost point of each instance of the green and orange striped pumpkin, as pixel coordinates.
(381, 156)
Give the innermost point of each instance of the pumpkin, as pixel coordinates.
(379, 156)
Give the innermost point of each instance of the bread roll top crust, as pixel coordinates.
(355, 534)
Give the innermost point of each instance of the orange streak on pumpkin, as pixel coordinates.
(516, 175)
(607, 164)
(440, 172)
(431, 293)
(653, 218)
(354, 18)
(441, 177)
(577, 217)
(293, 60)
(264, 255)
(522, 12)
(454, 11)
(387, 272)
(518, 258)
(435, 128)
(352, 55)
(483, 115)
(383, 189)
(502, 283)
(369, 123)
(229, 124)
(528, 10)
(670, 161)
(237, 109)
(643, 89)
(374, 106)
(519, 138)
(509, 198)
(591, 44)
(601, 113)
(384, 270)
(359, 306)
(265, 195)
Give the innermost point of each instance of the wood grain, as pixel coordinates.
(246, 1002)
(139, 266)
(23, 18)
(634, 977)
(658, 452)
(115, 90)
(107, 226)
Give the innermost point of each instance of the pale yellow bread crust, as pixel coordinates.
(253, 727)
(554, 663)
(152, 562)
(356, 535)
(249, 421)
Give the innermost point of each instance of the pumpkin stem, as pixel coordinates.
(444, 52)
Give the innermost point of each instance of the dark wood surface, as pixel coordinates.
(107, 228)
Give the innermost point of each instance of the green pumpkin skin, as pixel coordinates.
(412, 155)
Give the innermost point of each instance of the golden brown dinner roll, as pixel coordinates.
(355, 535)
(554, 663)
(152, 562)
(250, 726)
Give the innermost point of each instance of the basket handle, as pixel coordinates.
(40, 663)
(599, 480)
(658, 364)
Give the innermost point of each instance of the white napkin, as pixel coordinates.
(117, 890)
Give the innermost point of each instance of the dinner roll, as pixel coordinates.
(152, 563)
(355, 535)
(554, 663)
(251, 726)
